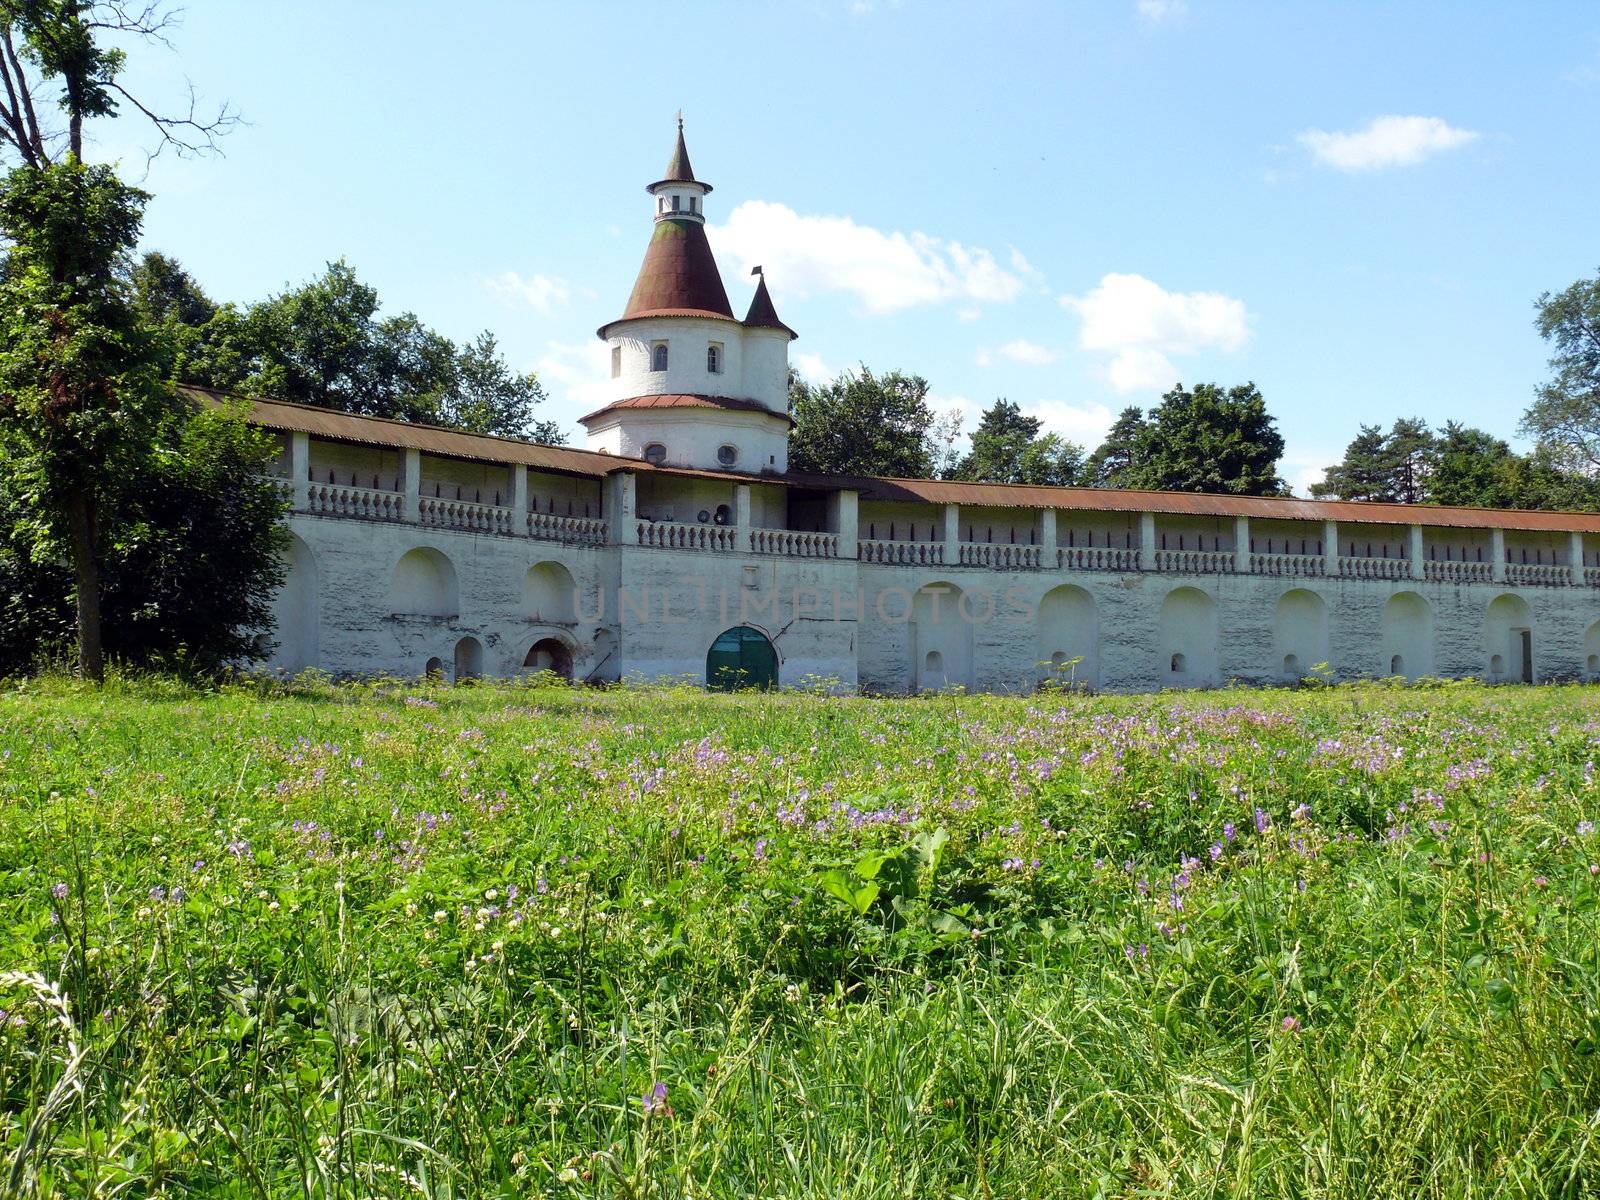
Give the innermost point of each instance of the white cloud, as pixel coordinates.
(1385, 142)
(1140, 324)
(1018, 350)
(1086, 424)
(1157, 11)
(543, 292)
(811, 367)
(885, 271)
(577, 376)
(1302, 466)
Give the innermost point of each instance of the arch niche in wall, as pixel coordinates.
(1405, 643)
(1069, 628)
(1509, 641)
(941, 639)
(1187, 639)
(424, 585)
(295, 609)
(1299, 633)
(549, 594)
(1591, 651)
(549, 654)
(469, 659)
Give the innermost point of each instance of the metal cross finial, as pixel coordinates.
(680, 120)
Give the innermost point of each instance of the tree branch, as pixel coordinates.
(199, 136)
(32, 134)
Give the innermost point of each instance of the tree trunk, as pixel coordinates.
(86, 575)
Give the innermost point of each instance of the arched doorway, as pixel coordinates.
(295, 609)
(1406, 637)
(1591, 651)
(1068, 650)
(469, 659)
(1188, 639)
(941, 639)
(1300, 633)
(1508, 639)
(741, 657)
(434, 669)
(549, 654)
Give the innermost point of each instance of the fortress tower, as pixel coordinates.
(691, 384)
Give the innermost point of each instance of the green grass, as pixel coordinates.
(410, 941)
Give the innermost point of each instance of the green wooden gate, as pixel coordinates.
(741, 657)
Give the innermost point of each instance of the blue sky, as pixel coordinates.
(1070, 205)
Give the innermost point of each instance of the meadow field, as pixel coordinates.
(507, 941)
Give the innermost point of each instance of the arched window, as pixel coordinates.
(714, 358)
(1397, 665)
(658, 357)
(1178, 664)
(655, 453)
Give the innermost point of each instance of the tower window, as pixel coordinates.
(727, 455)
(658, 357)
(675, 202)
(714, 358)
(616, 361)
(655, 453)
(694, 204)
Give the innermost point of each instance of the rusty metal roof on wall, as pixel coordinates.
(380, 431)
(407, 435)
(1267, 508)
(688, 400)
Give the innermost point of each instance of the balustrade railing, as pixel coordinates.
(1447, 571)
(1000, 556)
(439, 513)
(794, 543)
(1097, 558)
(1375, 568)
(1591, 576)
(1296, 565)
(908, 554)
(1539, 574)
(668, 535)
(1195, 562)
(340, 500)
(582, 531)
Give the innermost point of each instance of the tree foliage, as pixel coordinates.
(326, 343)
(1564, 418)
(1206, 440)
(1458, 465)
(1009, 447)
(866, 424)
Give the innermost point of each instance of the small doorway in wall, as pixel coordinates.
(1179, 664)
(933, 673)
(1397, 665)
(469, 659)
(435, 668)
(1523, 640)
(741, 657)
(549, 654)
(1291, 666)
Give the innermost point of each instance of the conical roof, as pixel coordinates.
(679, 170)
(678, 277)
(762, 314)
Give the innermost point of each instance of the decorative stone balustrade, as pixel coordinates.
(340, 500)
(1375, 568)
(668, 535)
(1195, 562)
(1458, 572)
(907, 554)
(1299, 566)
(794, 543)
(1097, 558)
(438, 513)
(1000, 556)
(579, 531)
(1540, 574)
(1591, 576)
